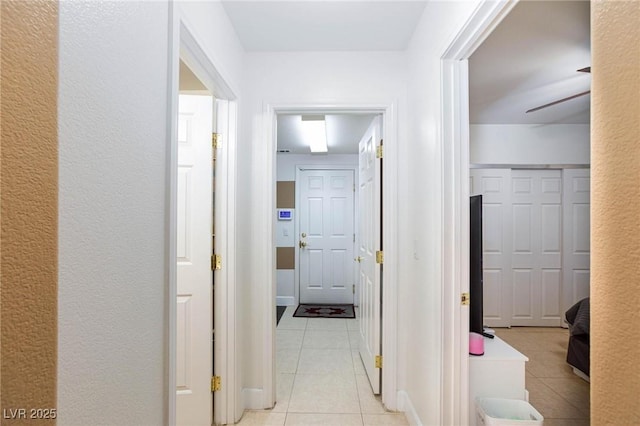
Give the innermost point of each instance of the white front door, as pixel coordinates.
(326, 236)
(194, 229)
(495, 187)
(536, 259)
(369, 221)
(576, 260)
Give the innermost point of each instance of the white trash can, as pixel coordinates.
(506, 412)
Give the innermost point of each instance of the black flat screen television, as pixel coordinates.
(475, 266)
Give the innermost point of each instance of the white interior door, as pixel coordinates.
(194, 301)
(536, 258)
(327, 236)
(576, 254)
(495, 187)
(369, 193)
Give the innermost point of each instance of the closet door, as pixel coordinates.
(536, 257)
(576, 254)
(495, 187)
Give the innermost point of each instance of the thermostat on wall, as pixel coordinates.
(285, 214)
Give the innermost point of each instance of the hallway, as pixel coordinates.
(320, 377)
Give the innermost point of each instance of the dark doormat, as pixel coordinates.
(324, 311)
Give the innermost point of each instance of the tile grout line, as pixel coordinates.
(555, 342)
(353, 371)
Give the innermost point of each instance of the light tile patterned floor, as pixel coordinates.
(558, 394)
(320, 378)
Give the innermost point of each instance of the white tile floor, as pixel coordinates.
(320, 377)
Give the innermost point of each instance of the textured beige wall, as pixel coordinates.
(615, 239)
(29, 186)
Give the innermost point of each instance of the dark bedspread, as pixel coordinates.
(578, 318)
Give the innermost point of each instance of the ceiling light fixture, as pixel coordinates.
(314, 132)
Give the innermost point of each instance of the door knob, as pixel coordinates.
(302, 244)
(359, 259)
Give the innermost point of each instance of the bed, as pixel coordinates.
(578, 318)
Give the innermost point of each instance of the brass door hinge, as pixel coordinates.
(378, 361)
(215, 144)
(216, 383)
(216, 262)
(465, 299)
(380, 257)
(379, 151)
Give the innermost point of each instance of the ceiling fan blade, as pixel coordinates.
(558, 101)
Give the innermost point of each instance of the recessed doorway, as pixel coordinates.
(322, 197)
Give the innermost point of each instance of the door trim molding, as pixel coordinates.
(455, 216)
(184, 46)
(264, 229)
(301, 168)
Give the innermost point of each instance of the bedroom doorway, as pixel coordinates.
(456, 136)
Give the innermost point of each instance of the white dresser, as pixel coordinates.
(499, 373)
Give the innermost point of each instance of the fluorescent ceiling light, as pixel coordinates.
(314, 132)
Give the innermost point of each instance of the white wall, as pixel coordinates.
(420, 333)
(113, 94)
(329, 79)
(212, 29)
(112, 118)
(529, 144)
(286, 167)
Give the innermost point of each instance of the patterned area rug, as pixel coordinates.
(324, 311)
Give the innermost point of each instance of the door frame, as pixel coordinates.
(265, 181)
(299, 169)
(183, 45)
(454, 94)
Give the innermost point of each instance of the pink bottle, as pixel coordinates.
(476, 344)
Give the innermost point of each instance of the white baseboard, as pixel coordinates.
(252, 399)
(285, 301)
(406, 406)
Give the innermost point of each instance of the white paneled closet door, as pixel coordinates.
(495, 187)
(536, 243)
(536, 258)
(576, 253)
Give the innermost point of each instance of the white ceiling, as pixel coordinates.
(334, 25)
(530, 60)
(337, 25)
(343, 132)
